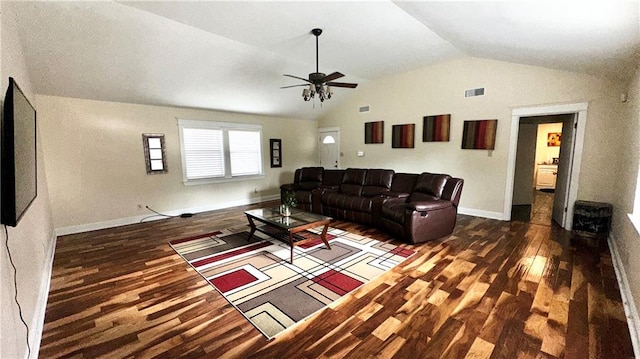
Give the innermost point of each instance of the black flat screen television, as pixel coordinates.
(18, 176)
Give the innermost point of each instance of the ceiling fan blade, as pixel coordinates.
(299, 78)
(333, 76)
(342, 84)
(286, 87)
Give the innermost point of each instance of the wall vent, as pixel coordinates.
(474, 92)
(364, 109)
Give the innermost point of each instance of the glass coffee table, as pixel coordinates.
(270, 222)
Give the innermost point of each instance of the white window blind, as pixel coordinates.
(219, 151)
(245, 154)
(203, 153)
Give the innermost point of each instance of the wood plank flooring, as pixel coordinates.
(493, 289)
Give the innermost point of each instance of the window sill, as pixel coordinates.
(635, 220)
(221, 180)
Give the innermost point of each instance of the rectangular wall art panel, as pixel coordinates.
(436, 128)
(479, 135)
(403, 136)
(374, 132)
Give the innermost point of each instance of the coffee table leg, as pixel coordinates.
(291, 244)
(323, 236)
(253, 228)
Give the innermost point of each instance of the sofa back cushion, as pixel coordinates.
(404, 182)
(376, 182)
(310, 177)
(332, 177)
(353, 181)
(429, 186)
(453, 190)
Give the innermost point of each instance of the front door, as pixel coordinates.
(329, 147)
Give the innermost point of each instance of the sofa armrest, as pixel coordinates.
(289, 187)
(425, 206)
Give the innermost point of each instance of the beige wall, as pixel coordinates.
(32, 241)
(624, 235)
(439, 89)
(96, 169)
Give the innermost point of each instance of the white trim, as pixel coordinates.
(328, 129)
(201, 181)
(131, 220)
(218, 125)
(580, 108)
(630, 309)
(480, 213)
(37, 324)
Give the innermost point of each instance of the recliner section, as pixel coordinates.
(414, 207)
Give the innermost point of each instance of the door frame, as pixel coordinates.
(322, 130)
(573, 173)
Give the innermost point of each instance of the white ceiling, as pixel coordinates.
(231, 55)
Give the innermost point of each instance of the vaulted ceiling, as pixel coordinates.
(231, 55)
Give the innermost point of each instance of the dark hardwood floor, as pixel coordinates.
(493, 289)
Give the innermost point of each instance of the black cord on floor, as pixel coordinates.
(15, 286)
(158, 214)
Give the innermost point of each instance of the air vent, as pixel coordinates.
(474, 92)
(363, 109)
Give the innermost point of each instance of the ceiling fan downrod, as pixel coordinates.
(317, 32)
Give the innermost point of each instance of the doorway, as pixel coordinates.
(537, 164)
(567, 179)
(329, 147)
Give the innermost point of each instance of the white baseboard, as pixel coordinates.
(480, 213)
(630, 309)
(131, 220)
(37, 324)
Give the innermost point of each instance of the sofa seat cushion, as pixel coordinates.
(373, 191)
(347, 202)
(351, 189)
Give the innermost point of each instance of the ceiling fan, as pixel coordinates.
(319, 83)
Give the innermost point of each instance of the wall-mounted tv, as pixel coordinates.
(18, 176)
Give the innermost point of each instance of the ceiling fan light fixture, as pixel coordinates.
(318, 81)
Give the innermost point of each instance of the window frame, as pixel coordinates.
(225, 127)
(634, 216)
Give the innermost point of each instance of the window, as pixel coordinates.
(219, 151)
(635, 215)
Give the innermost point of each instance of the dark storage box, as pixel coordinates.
(591, 218)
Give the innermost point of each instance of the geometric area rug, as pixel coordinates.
(258, 280)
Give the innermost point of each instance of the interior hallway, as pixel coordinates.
(540, 211)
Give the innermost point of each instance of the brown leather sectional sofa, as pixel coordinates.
(413, 207)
